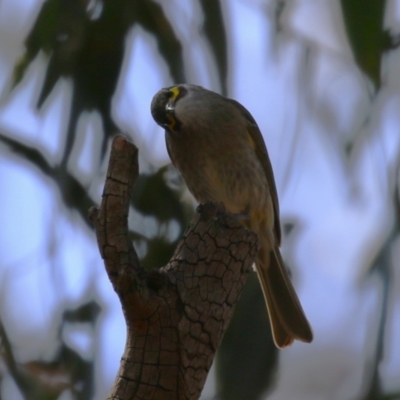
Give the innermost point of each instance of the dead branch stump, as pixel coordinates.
(175, 316)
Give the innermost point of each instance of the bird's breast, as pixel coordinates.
(226, 171)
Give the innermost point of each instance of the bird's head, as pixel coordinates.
(164, 103)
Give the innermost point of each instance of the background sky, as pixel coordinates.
(298, 77)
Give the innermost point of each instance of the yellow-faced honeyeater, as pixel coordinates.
(218, 148)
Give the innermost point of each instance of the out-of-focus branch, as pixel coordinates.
(73, 193)
(175, 316)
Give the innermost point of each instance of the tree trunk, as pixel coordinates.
(175, 316)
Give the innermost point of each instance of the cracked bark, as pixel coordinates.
(175, 316)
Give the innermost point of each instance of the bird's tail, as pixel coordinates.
(288, 321)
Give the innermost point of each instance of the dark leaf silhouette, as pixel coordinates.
(214, 30)
(86, 313)
(364, 24)
(247, 356)
(73, 192)
(153, 197)
(89, 49)
(47, 380)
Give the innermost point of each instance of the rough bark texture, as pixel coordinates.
(175, 316)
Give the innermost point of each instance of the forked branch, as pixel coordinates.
(177, 315)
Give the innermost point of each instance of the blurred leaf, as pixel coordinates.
(20, 69)
(382, 267)
(41, 37)
(47, 380)
(85, 313)
(151, 16)
(91, 53)
(159, 252)
(66, 41)
(396, 194)
(389, 396)
(247, 356)
(364, 25)
(73, 193)
(68, 370)
(214, 30)
(152, 197)
(89, 49)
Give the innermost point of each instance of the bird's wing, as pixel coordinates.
(260, 149)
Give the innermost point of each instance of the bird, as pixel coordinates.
(218, 148)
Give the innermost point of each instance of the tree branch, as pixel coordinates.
(74, 194)
(175, 316)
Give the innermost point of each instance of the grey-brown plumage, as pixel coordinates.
(217, 146)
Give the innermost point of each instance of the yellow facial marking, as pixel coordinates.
(175, 92)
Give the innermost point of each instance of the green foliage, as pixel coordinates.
(67, 371)
(154, 196)
(247, 356)
(368, 39)
(90, 51)
(214, 31)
